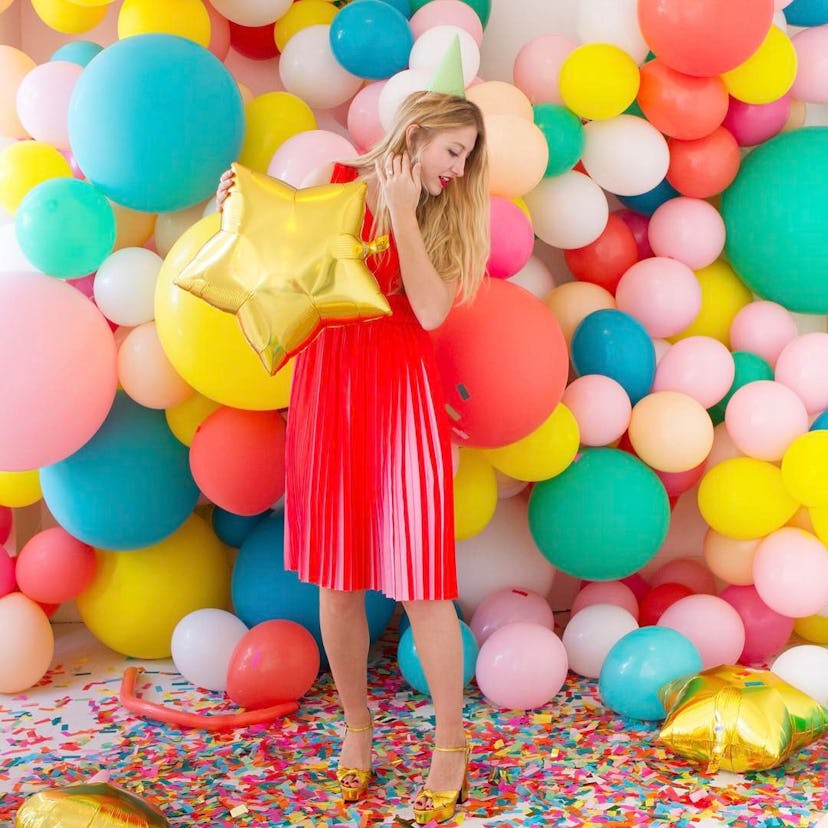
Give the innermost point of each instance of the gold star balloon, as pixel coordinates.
(286, 262)
(98, 805)
(738, 719)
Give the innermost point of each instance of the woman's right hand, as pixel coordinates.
(225, 183)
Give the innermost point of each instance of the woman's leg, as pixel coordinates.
(440, 649)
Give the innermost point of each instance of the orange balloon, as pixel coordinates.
(706, 166)
(729, 558)
(572, 301)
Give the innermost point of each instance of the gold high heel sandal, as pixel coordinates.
(443, 803)
(353, 793)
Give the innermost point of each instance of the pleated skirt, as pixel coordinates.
(368, 500)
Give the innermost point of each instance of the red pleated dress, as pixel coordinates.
(368, 501)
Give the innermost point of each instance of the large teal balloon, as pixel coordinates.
(603, 518)
(776, 215)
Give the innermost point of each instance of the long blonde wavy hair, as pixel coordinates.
(455, 224)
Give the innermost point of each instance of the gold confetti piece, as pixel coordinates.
(542, 718)
(238, 811)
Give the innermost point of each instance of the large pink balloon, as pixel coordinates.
(43, 101)
(803, 367)
(698, 366)
(538, 66)
(304, 153)
(766, 631)
(506, 606)
(688, 229)
(58, 370)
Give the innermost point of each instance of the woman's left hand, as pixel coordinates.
(400, 182)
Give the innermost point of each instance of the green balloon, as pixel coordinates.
(482, 8)
(749, 368)
(776, 215)
(601, 519)
(564, 134)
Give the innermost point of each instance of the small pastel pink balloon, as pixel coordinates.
(601, 408)
(8, 582)
(692, 573)
(43, 101)
(512, 238)
(751, 124)
(711, 623)
(538, 66)
(764, 418)
(507, 606)
(219, 33)
(301, 154)
(790, 572)
(447, 13)
(364, 125)
(606, 592)
(699, 366)
(766, 631)
(639, 226)
(781, 4)
(677, 483)
(811, 82)
(803, 367)
(764, 328)
(688, 229)
(663, 294)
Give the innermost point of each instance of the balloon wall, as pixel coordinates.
(638, 396)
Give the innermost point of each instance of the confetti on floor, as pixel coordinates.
(572, 763)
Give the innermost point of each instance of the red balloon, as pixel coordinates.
(6, 518)
(604, 261)
(677, 483)
(504, 365)
(639, 224)
(54, 567)
(704, 167)
(238, 459)
(652, 605)
(256, 42)
(275, 661)
(8, 582)
(704, 37)
(679, 105)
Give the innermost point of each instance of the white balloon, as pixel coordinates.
(430, 48)
(397, 88)
(806, 668)
(124, 286)
(612, 21)
(252, 12)
(169, 227)
(535, 277)
(591, 633)
(12, 258)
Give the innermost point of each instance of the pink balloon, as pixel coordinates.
(803, 366)
(54, 567)
(307, 151)
(507, 606)
(638, 584)
(59, 370)
(85, 284)
(8, 582)
(766, 631)
(677, 483)
(6, 523)
(521, 666)
(43, 101)
(712, 624)
(663, 294)
(364, 123)
(811, 82)
(790, 572)
(601, 408)
(688, 229)
(764, 418)
(639, 225)
(606, 592)
(692, 573)
(447, 13)
(219, 33)
(751, 124)
(764, 328)
(699, 366)
(512, 238)
(538, 66)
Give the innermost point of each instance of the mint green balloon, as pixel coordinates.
(601, 519)
(750, 367)
(776, 215)
(482, 8)
(564, 134)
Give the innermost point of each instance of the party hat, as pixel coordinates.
(448, 76)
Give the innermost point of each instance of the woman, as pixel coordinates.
(368, 502)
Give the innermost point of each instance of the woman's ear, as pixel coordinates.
(412, 137)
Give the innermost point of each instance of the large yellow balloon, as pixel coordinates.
(767, 74)
(544, 453)
(745, 498)
(814, 628)
(69, 18)
(300, 15)
(475, 494)
(138, 597)
(24, 165)
(805, 469)
(184, 18)
(18, 489)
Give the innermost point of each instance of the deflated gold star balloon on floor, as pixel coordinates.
(286, 262)
(88, 806)
(738, 719)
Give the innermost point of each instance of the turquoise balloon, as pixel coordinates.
(482, 8)
(749, 368)
(77, 51)
(412, 669)
(564, 134)
(65, 227)
(775, 213)
(602, 518)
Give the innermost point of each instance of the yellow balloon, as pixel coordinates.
(18, 489)
(819, 522)
(69, 18)
(598, 80)
(814, 628)
(184, 18)
(271, 119)
(185, 418)
(138, 597)
(544, 453)
(300, 15)
(133, 227)
(523, 206)
(745, 498)
(24, 165)
(475, 494)
(206, 346)
(724, 294)
(767, 74)
(805, 469)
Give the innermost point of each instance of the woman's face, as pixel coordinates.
(443, 157)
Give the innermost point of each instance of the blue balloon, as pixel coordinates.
(405, 623)
(233, 529)
(820, 423)
(639, 664)
(154, 120)
(806, 12)
(402, 6)
(263, 589)
(77, 51)
(647, 203)
(371, 39)
(615, 344)
(129, 487)
(412, 670)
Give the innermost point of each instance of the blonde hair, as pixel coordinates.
(455, 225)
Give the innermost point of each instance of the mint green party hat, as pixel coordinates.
(448, 76)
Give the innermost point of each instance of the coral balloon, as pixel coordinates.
(605, 260)
(53, 567)
(704, 167)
